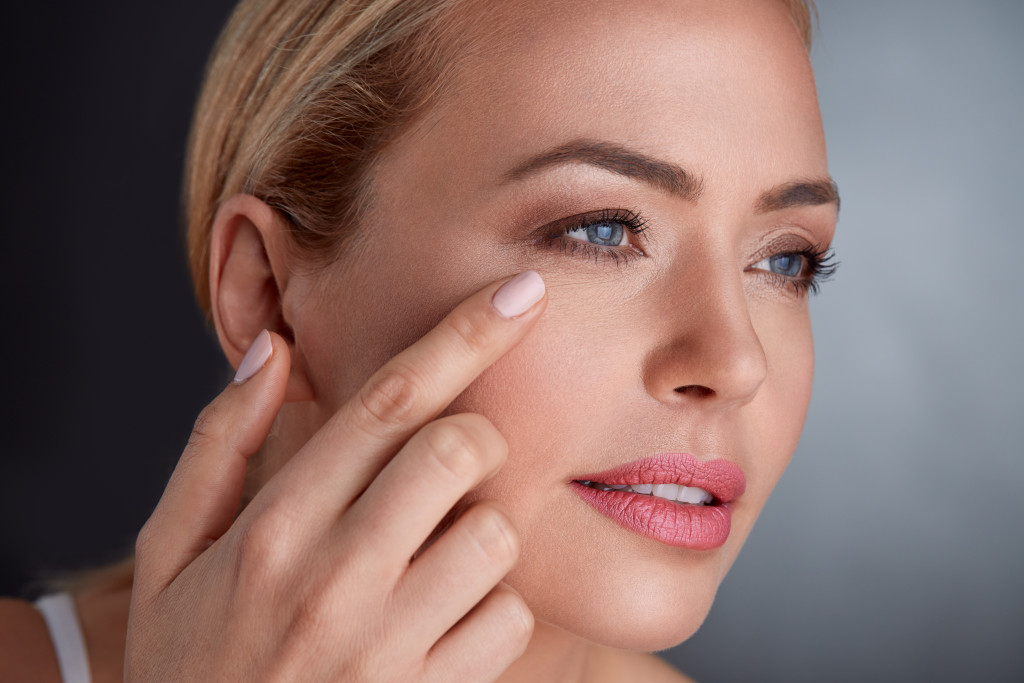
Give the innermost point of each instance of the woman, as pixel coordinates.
(517, 298)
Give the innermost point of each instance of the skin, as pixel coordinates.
(723, 89)
(688, 346)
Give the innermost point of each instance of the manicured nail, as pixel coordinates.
(517, 295)
(255, 358)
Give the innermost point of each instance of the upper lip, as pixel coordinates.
(722, 479)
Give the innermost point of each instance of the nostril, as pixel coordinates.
(695, 390)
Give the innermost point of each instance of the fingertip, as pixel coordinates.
(519, 613)
(255, 358)
(261, 391)
(519, 295)
(512, 620)
(203, 494)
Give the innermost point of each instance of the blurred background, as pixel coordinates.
(893, 549)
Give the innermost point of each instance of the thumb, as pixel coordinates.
(203, 494)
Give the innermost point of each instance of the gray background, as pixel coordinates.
(892, 548)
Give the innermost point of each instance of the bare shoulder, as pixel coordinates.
(25, 646)
(622, 666)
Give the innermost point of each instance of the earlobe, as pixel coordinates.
(249, 273)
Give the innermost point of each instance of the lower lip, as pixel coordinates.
(697, 527)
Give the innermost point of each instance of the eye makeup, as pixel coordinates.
(790, 262)
(804, 270)
(613, 235)
(608, 234)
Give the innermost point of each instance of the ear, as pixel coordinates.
(249, 275)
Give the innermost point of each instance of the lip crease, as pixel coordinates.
(698, 527)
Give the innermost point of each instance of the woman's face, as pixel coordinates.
(696, 121)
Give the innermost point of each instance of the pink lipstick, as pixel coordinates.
(673, 498)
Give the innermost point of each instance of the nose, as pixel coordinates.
(708, 350)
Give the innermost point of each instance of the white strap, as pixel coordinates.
(61, 618)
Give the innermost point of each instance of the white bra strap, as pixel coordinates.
(61, 618)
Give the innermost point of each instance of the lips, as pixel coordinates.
(644, 496)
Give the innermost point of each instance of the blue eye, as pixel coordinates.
(609, 234)
(787, 265)
(604, 234)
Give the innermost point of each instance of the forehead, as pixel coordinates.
(708, 84)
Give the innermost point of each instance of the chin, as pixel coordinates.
(642, 602)
(633, 627)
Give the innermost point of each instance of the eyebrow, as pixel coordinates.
(670, 177)
(613, 157)
(800, 193)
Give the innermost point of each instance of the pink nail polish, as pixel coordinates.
(516, 296)
(255, 358)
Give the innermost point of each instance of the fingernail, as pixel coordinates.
(517, 295)
(255, 358)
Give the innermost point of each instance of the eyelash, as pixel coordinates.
(820, 263)
(630, 220)
(820, 266)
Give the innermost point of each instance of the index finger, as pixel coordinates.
(411, 389)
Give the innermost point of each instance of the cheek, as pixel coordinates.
(559, 395)
(345, 336)
(534, 395)
(776, 416)
(561, 398)
(789, 348)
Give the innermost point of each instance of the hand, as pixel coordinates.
(313, 580)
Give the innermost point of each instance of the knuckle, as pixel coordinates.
(491, 440)
(312, 616)
(453, 450)
(494, 534)
(471, 331)
(264, 546)
(392, 396)
(207, 428)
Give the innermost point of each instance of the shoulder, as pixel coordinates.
(619, 665)
(25, 646)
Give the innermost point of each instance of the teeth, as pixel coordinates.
(690, 495)
(666, 491)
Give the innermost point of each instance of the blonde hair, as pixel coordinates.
(300, 98)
